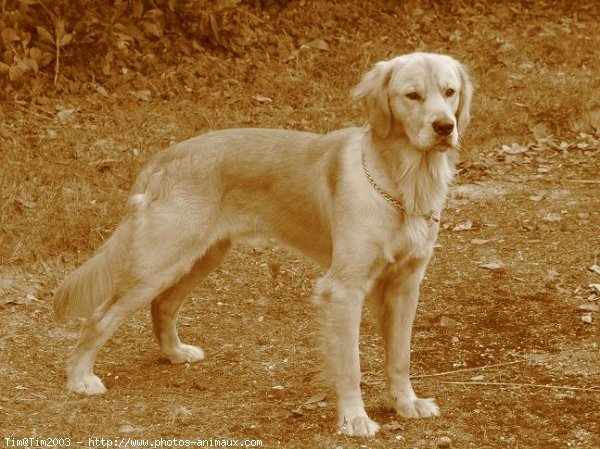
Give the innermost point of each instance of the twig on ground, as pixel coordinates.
(585, 181)
(462, 370)
(516, 384)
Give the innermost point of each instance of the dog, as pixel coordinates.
(364, 202)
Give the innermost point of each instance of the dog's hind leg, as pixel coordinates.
(97, 330)
(161, 255)
(165, 307)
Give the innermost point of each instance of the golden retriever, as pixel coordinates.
(363, 202)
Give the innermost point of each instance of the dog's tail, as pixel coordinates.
(94, 282)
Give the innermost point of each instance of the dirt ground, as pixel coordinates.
(507, 334)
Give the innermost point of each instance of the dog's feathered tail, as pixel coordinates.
(94, 282)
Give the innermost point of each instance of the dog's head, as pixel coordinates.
(423, 96)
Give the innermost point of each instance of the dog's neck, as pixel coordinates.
(419, 179)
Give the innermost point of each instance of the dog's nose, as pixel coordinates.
(443, 127)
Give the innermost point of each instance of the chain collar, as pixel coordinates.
(429, 216)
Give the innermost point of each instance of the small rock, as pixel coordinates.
(443, 442)
(587, 318)
(479, 241)
(595, 268)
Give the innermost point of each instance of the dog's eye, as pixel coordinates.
(413, 96)
(450, 92)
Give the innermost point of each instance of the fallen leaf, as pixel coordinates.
(65, 116)
(595, 268)
(541, 130)
(319, 44)
(142, 95)
(102, 91)
(595, 288)
(538, 197)
(262, 99)
(515, 148)
(443, 442)
(448, 322)
(16, 302)
(465, 226)
(552, 217)
(319, 397)
(477, 378)
(126, 428)
(393, 426)
(588, 307)
(492, 265)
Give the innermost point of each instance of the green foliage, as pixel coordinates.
(87, 39)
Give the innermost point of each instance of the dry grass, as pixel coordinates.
(63, 187)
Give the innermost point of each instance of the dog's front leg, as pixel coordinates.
(340, 313)
(396, 313)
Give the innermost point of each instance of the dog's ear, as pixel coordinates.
(372, 93)
(463, 113)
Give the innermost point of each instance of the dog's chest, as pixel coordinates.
(414, 238)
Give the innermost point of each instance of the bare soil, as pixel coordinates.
(501, 338)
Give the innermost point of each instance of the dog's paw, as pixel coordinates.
(417, 408)
(88, 385)
(358, 426)
(185, 354)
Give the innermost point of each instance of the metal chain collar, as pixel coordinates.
(428, 216)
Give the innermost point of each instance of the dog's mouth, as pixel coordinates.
(442, 144)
